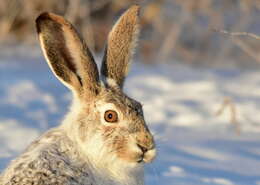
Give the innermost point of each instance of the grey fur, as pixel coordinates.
(55, 162)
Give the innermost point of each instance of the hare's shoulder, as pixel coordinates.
(46, 161)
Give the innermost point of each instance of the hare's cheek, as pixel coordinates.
(128, 155)
(126, 152)
(108, 131)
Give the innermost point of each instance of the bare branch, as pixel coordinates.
(252, 35)
(244, 47)
(247, 49)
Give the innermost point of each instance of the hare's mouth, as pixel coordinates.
(141, 159)
(147, 157)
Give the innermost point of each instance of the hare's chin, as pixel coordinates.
(149, 156)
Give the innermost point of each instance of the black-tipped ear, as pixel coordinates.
(120, 47)
(67, 54)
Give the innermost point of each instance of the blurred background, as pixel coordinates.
(172, 30)
(196, 71)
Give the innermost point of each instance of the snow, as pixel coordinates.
(12, 135)
(17, 95)
(219, 181)
(195, 145)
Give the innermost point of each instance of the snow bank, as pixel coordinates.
(195, 146)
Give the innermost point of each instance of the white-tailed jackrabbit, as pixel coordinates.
(103, 140)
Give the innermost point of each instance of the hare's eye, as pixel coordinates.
(111, 116)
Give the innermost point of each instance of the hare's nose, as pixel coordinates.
(145, 141)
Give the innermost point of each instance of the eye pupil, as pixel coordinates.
(111, 116)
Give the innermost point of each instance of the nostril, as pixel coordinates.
(143, 148)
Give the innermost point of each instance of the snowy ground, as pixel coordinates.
(196, 147)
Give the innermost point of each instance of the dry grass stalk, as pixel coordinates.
(252, 35)
(229, 104)
(173, 29)
(247, 49)
(242, 45)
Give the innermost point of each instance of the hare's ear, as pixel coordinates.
(67, 55)
(120, 47)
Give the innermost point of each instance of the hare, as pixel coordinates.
(104, 139)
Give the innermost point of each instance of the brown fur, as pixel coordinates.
(120, 46)
(72, 62)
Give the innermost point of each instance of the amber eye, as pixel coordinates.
(111, 116)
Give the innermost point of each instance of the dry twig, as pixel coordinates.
(252, 35)
(228, 103)
(244, 47)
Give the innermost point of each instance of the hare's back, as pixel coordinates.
(46, 164)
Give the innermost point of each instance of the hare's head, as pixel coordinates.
(105, 121)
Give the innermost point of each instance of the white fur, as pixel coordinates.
(149, 155)
(109, 81)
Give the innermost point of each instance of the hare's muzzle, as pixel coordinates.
(145, 143)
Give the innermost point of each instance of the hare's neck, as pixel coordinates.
(106, 169)
(117, 173)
